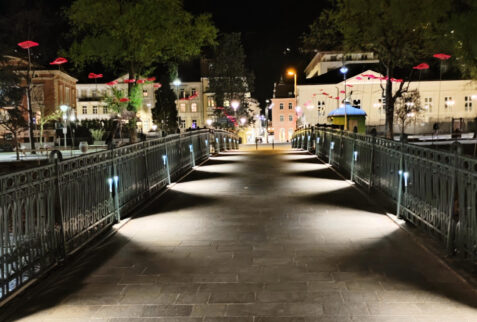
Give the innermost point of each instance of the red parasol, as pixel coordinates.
(349, 85)
(124, 99)
(129, 80)
(342, 92)
(140, 81)
(442, 56)
(421, 66)
(59, 61)
(359, 78)
(151, 79)
(112, 83)
(27, 44)
(94, 76)
(158, 85)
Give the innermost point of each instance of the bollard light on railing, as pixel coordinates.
(405, 176)
(332, 145)
(166, 163)
(355, 155)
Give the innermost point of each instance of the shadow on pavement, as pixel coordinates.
(409, 272)
(323, 173)
(205, 175)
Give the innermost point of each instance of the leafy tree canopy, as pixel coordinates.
(132, 35)
(165, 112)
(323, 34)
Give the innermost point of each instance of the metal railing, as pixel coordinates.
(49, 212)
(432, 189)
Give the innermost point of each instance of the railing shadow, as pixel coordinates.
(322, 173)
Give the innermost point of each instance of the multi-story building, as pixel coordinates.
(91, 105)
(190, 104)
(284, 112)
(442, 102)
(50, 89)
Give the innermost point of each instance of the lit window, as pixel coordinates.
(194, 91)
(193, 107)
(281, 106)
(105, 110)
(210, 102)
(290, 117)
(428, 104)
(282, 118)
(468, 103)
(183, 108)
(95, 110)
(182, 95)
(290, 106)
(226, 103)
(144, 92)
(85, 109)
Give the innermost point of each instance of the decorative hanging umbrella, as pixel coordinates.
(421, 66)
(129, 81)
(442, 56)
(59, 61)
(151, 79)
(112, 83)
(124, 99)
(349, 85)
(343, 92)
(158, 85)
(140, 81)
(27, 44)
(359, 78)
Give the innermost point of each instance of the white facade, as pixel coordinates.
(441, 100)
(324, 62)
(90, 102)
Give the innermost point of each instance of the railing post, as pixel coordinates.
(59, 214)
(192, 156)
(330, 159)
(148, 186)
(165, 160)
(371, 164)
(452, 225)
(402, 174)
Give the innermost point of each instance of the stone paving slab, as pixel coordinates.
(254, 236)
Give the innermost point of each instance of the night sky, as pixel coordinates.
(268, 28)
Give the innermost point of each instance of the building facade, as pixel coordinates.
(325, 61)
(284, 112)
(91, 106)
(441, 102)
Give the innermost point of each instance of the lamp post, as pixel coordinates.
(292, 72)
(235, 105)
(344, 70)
(64, 109)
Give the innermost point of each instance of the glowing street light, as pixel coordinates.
(177, 82)
(209, 122)
(344, 70)
(292, 72)
(243, 120)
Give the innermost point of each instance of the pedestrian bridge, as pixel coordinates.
(247, 235)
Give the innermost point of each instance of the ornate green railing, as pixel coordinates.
(49, 212)
(432, 189)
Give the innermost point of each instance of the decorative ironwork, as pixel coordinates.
(49, 212)
(436, 190)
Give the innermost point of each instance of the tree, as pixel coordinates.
(407, 108)
(133, 35)
(45, 119)
(228, 78)
(117, 103)
(13, 120)
(323, 34)
(400, 32)
(165, 111)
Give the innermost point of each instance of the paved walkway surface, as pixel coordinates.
(255, 236)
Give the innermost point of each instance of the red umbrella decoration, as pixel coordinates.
(343, 92)
(129, 81)
(359, 78)
(442, 56)
(94, 76)
(151, 79)
(59, 61)
(349, 85)
(27, 44)
(421, 66)
(112, 83)
(158, 85)
(124, 99)
(140, 81)
(396, 80)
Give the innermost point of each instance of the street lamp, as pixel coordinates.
(235, 105)
(292, 72)
(344, 70)
(209, 122)
(243, 120)
(64, 109)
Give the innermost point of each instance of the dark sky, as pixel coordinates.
(268, 28)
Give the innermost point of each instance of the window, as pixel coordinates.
(364, 57)
(333, 58)
(281, 106)
(194, 92)
(282, 118)
(95, 92)
(193, 107)
(468, 103)
(84, 93)
(428, 104)
(67, 96)
(290, 118)
(321, 107)
(144, 92)
(95, 110)
(210, 102)
(105, 110)
(182, 108)
(183, 124)
(182, 95)
(226, 103)
(85, 109)
(290, 106)
(448, 102)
